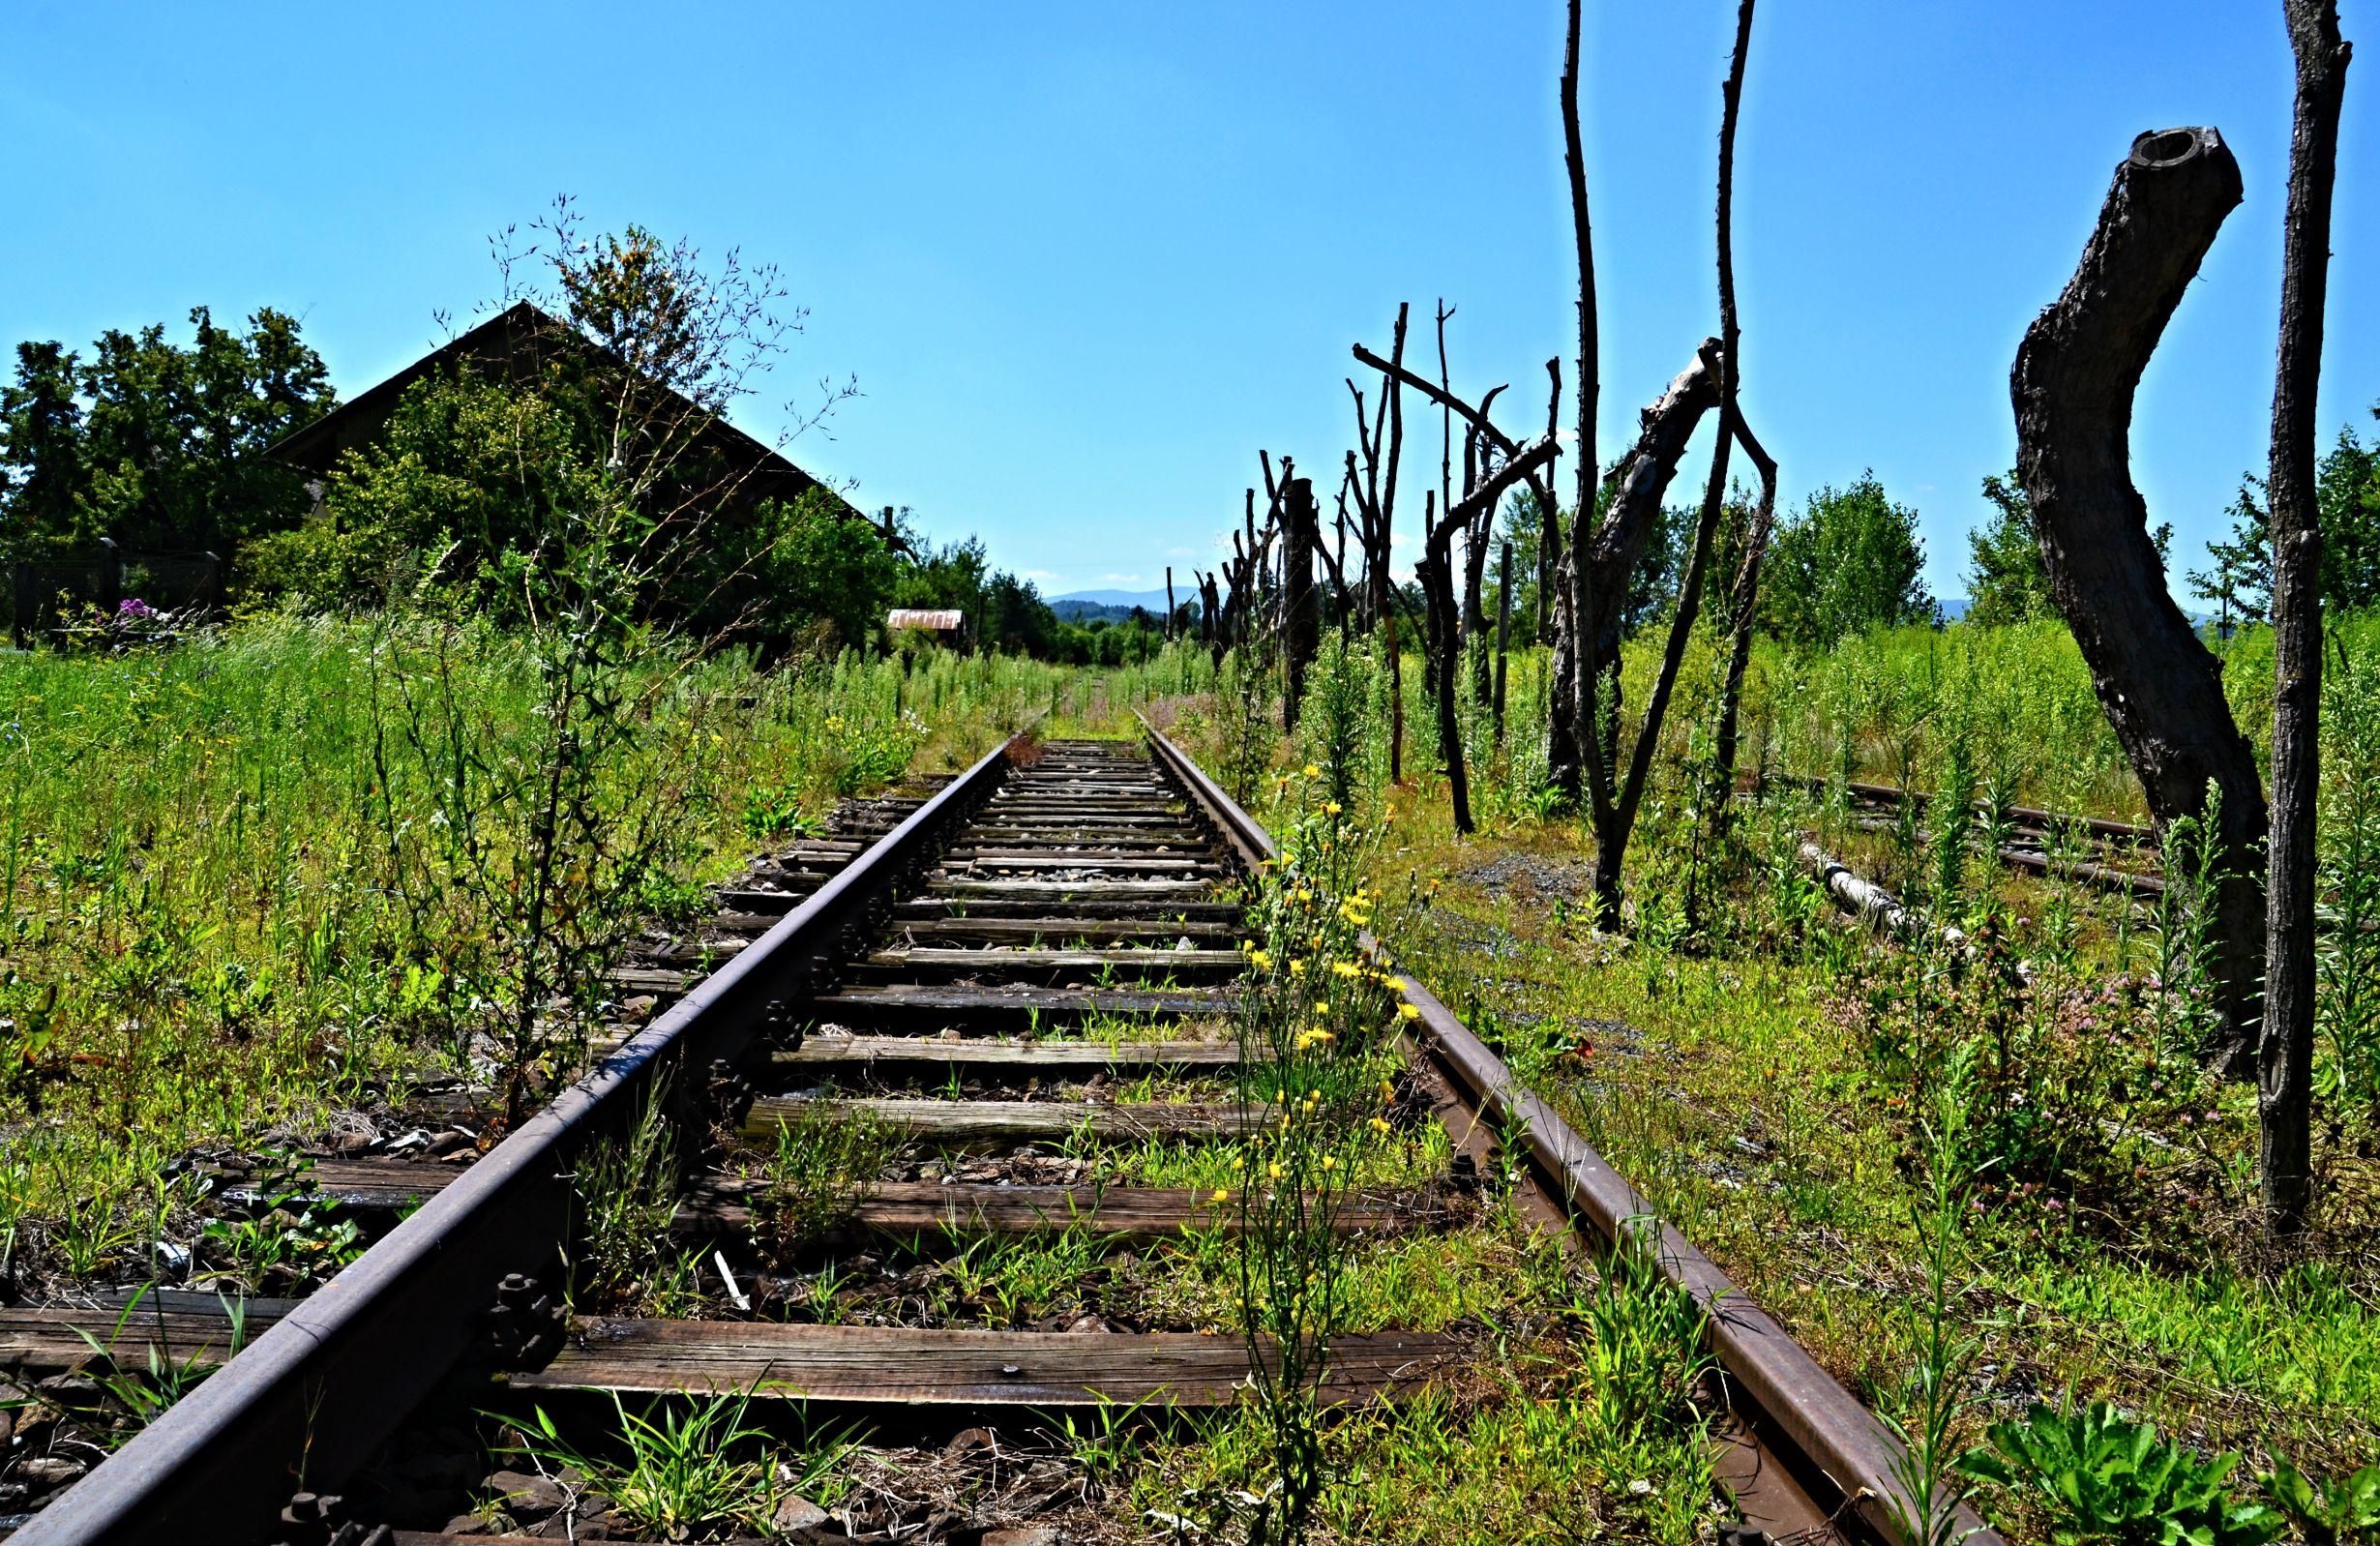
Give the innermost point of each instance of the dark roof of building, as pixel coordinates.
(504, 341)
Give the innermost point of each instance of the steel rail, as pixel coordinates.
(2029, 815)
(307, 1402)
(1793, 1398)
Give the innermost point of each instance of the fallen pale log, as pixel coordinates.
(1881, 910)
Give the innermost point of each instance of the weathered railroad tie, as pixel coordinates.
(991, 970)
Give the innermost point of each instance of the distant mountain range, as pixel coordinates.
(1114, 605)
(1153, 599)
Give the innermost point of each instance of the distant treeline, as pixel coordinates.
(163, 446)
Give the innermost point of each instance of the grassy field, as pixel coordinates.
(1783, 1086)
(208, 937)
(209, 944)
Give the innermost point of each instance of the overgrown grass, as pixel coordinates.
(203, 942)
(1744, 1089)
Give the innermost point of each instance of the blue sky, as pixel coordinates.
(1085, 259)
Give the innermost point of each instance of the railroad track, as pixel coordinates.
(2041, 842)
(1024, 985)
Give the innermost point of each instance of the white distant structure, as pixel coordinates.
(947, 624)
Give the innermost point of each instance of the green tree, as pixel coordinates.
(455, 491)
(2347, 494)
(813, 564)
(1848, 562)
(41, 453)
(156, 444)
(2240, 580)
(2005, 581)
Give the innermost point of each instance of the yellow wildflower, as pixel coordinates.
(1331, 1162)
(1222, 1195)
(1380, 1124)
(1313, 772)
(1274, 1171)
(1408, 1012)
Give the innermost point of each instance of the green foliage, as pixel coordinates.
(2347, 498)
(2104, 1477)
(1005, 612)
(1849, 562)
(287, 1247)
(826, 1161)
(803, 565)
(2240, 579)
(2339, 1511)
(1334, 721)
(2347, 996)
(145, 1393)
(458, 496)
(1649, 1356)
(689, 1470)
(627, 1195)
(1945, 1355)
(156, 444)
(1315, 1021)
(2005, 579)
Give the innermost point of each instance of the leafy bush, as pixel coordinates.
(2104, 1477)
(1849, 563)
(2329, 1513)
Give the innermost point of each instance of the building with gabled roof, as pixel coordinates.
(515, 345)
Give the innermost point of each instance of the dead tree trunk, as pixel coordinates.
(1743, 610)
(1388, 503)
(2072, 386)
(1169, 604)
(1570, 730)
(1437, 571)
(2285, 1063)
(1615, 545)
(1300, 603)
(1614, 827)
(1504, 629)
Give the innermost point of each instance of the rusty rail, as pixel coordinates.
(1838, 1453)
(310, 1400)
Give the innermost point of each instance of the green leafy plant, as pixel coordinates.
(1924, 1510)
(289, 1244)
(627, 1196)
(1313, 1026)
(2104, 1476)
(1647, 1355)
(688, 1470)
(2339, 1512)
(776, 811)
(828, 1157)
(147, 1392)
